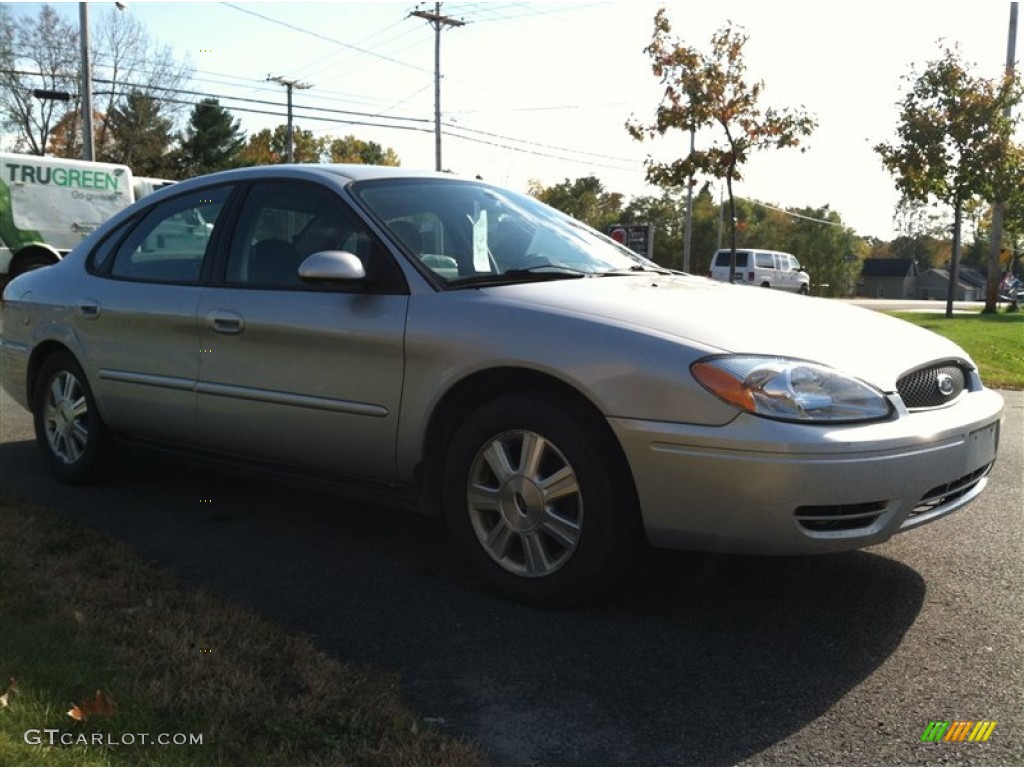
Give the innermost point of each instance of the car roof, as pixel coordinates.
(341, 171)
(333, 173)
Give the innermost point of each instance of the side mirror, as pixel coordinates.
(337, 266)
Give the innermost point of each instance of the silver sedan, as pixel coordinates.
(561, 401)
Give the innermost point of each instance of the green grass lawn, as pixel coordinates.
(994, 342)
(81, 613)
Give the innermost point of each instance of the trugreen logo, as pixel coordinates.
(958, 730)
(81, 178)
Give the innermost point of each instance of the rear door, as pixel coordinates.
(300, 374)
(136, 320)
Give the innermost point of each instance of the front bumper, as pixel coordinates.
(758, 486)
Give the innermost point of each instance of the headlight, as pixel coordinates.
(788, 389)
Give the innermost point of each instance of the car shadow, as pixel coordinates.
(698, 659)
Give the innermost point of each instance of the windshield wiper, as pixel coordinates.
(535, 274)
(633, 270)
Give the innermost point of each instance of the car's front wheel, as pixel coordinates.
(539, 499)
(69, 430)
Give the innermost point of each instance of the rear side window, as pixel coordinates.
(722, 260)
(169, 244)
(765, 261)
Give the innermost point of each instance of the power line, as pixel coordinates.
(537, 153)
(380, 116)
(538, 144)
(226, 97)
(794, 215)
(545, 9)
(311, 33)
(351, 57)
(418, 124)
(337, 120)
(550, 108)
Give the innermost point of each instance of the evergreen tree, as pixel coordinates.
(140, 136)
(211, 141)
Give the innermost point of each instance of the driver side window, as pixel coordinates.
(283, 223)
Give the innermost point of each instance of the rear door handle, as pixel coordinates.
(223, 321)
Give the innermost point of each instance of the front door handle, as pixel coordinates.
(223, 321)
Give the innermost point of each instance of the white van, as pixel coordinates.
(767, 269)
(49, 204)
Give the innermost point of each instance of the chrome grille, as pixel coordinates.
(932, 386)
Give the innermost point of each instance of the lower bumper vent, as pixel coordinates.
(946, 494)
(840, 517)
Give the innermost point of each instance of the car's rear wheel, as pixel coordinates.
(69, 430)
(34, 261)
(538, 498)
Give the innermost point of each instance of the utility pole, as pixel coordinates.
(996, 236)
(689, 210)
(437, 21)
(289, 84)
(83, 34)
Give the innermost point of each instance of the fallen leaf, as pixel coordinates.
(5, 697)
(99, 705)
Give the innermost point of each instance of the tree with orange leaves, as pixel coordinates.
(709, 91)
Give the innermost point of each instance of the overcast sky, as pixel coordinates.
(543, 90)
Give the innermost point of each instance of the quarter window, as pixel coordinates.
(170, 242)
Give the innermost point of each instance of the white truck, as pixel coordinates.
(49, 204)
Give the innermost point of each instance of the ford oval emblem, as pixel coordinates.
(945, 384)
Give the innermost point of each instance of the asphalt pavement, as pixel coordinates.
(699, 660)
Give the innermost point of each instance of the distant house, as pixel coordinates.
(973, 278)
(934, 284)
(887, 279)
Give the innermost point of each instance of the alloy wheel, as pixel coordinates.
(65, 418)
(525, 503)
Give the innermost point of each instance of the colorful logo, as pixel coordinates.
(958, 730)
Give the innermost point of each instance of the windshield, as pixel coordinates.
(471, 233)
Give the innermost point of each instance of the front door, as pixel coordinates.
(302, 375)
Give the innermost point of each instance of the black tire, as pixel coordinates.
(69, 430)
(563, 523)
(765, 285)
(35, 261)
(804, 290)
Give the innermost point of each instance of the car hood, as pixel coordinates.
(727, 318)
